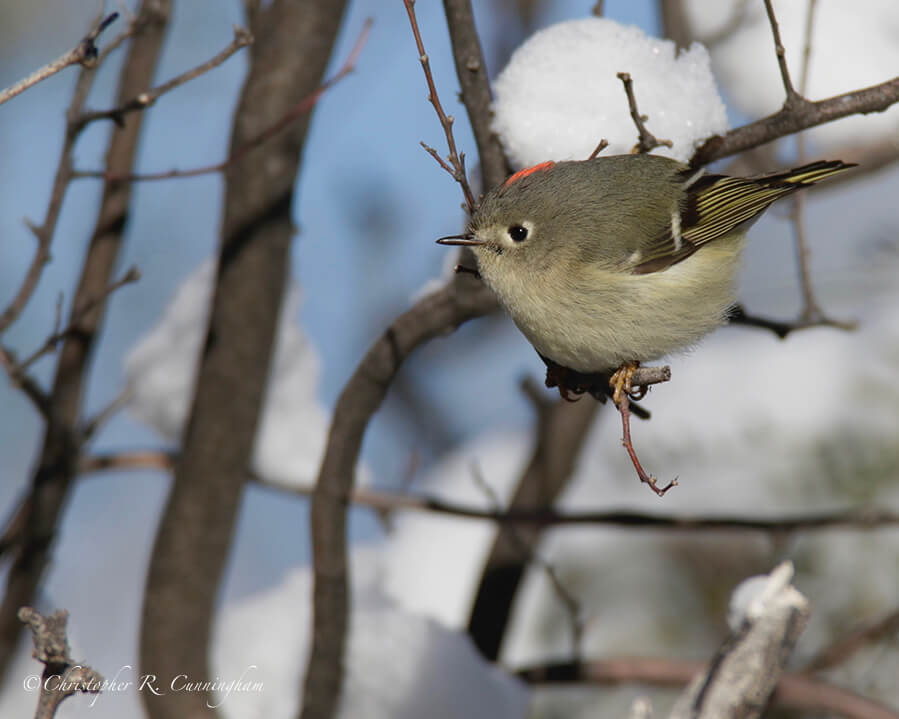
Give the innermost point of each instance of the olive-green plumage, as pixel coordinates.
(620, 258)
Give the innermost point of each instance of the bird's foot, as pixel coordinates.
(622, 382)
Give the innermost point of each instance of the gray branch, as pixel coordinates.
(62, 675)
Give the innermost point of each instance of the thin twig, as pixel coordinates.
(93, 424)
(603, 144)
(793, 97)
(386, 501)
(646, 140)
(810, 308)
(811, 312)
(296, 112)
(739, 316)
(25, 382)
(78, 313)
(242, 38)
(474, 86)
(84, 54)
(650, 480)
(55, 469)
(455, 164)
(44, 232)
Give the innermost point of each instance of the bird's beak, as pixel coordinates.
(467, 240)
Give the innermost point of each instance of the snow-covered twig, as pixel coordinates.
(767, 616)
(770, 614)
(794, 691)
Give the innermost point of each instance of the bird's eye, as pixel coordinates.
(518, 233)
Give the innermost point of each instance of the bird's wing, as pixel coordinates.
(717, 205)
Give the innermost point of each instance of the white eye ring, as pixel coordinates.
(519, 232)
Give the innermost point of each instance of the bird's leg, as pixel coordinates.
(624, 407)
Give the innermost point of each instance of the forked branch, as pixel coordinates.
(84, 54)
(646, 140)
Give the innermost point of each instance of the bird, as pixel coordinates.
(606, 263)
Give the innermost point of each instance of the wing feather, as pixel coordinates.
(715, 206)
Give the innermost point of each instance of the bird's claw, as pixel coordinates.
(621, 382)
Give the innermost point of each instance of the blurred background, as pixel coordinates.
(750, 423)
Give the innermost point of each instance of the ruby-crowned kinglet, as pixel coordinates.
(620, 259)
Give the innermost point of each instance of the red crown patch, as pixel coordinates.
(528, 171)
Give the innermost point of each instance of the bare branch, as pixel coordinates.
(810, 308)
(78, 313)
(456, 161)
(794, 691)
(560, 433)
(471, 70)
(527, 551)
(646, 140)
(845, 647)
(739, 316)
(299, 110)
(644, 476)
(539, 516)
(143, 100)
(811, 313)
(802, 116)
(84, 54)
(44, 232)
(793, 97)
(30, 386)
(602, 145)
(62, 675)
(55, 467)
(91, 425)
